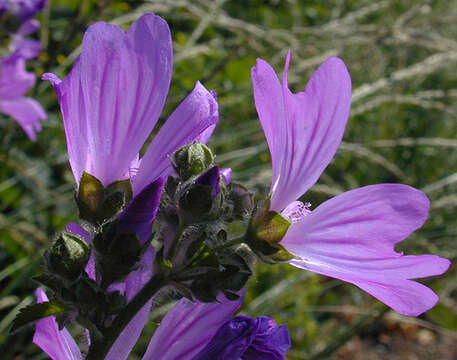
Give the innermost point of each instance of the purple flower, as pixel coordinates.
(248, 339)
(113, 97)
(201, 331)
(15, 81)
(352, 236)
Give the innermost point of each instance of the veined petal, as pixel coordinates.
(27, 112)
(187, 328)
(58, 344)
(352, 237)
(303, 130)
(193, 120)
(133, 284)
(112, 98)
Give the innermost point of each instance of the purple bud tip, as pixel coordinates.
(226, 174)
(139, 215)
(210, 178)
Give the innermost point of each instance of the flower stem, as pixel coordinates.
(99, 349)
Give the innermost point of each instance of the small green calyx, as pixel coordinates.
(97, 203)
(264, 235)
(68, 256)
(192, 160)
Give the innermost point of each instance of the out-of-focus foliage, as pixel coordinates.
(402, 56)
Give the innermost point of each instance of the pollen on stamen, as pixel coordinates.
(296, 211)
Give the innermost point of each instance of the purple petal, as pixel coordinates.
(27, 112)
(352, 237)
(193, 120)
(29, 27)
(187, 328)
(15, 81)
(231, 340)
(26, 48)
(26, 9)
(248, 339)
(112, 98)
(59, 345)
(140, 214)
(272, 342)
(226, 175)
(303, 130)
(210, 178)
(133, 284)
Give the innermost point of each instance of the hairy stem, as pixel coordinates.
(99, 349)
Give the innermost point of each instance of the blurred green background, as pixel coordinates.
(402, 56)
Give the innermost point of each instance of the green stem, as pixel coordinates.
(100, 349)
(230, 243)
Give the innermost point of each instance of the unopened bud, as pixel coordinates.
(192, 160)
(68, 256)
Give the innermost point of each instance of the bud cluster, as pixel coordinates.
(194, 221)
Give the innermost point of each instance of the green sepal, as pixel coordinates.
(97, 203)
(90, 193)
(35, 312)
(265, 232)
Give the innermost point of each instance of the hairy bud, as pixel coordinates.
(192, 160)
(68, 256)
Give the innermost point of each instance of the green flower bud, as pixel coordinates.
(68, 256)
(192, 160)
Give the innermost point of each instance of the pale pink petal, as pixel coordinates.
(303, 130)
(188, 327)
(352, 237)
(27, 112)
(59, 345)
(193, 120)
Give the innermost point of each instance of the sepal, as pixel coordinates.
(97, 203)
(265, 232)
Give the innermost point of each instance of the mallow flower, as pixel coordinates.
(112, 98)
(15, 81)
(352, 236)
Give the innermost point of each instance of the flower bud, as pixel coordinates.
(192, 160)
(68, 256)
